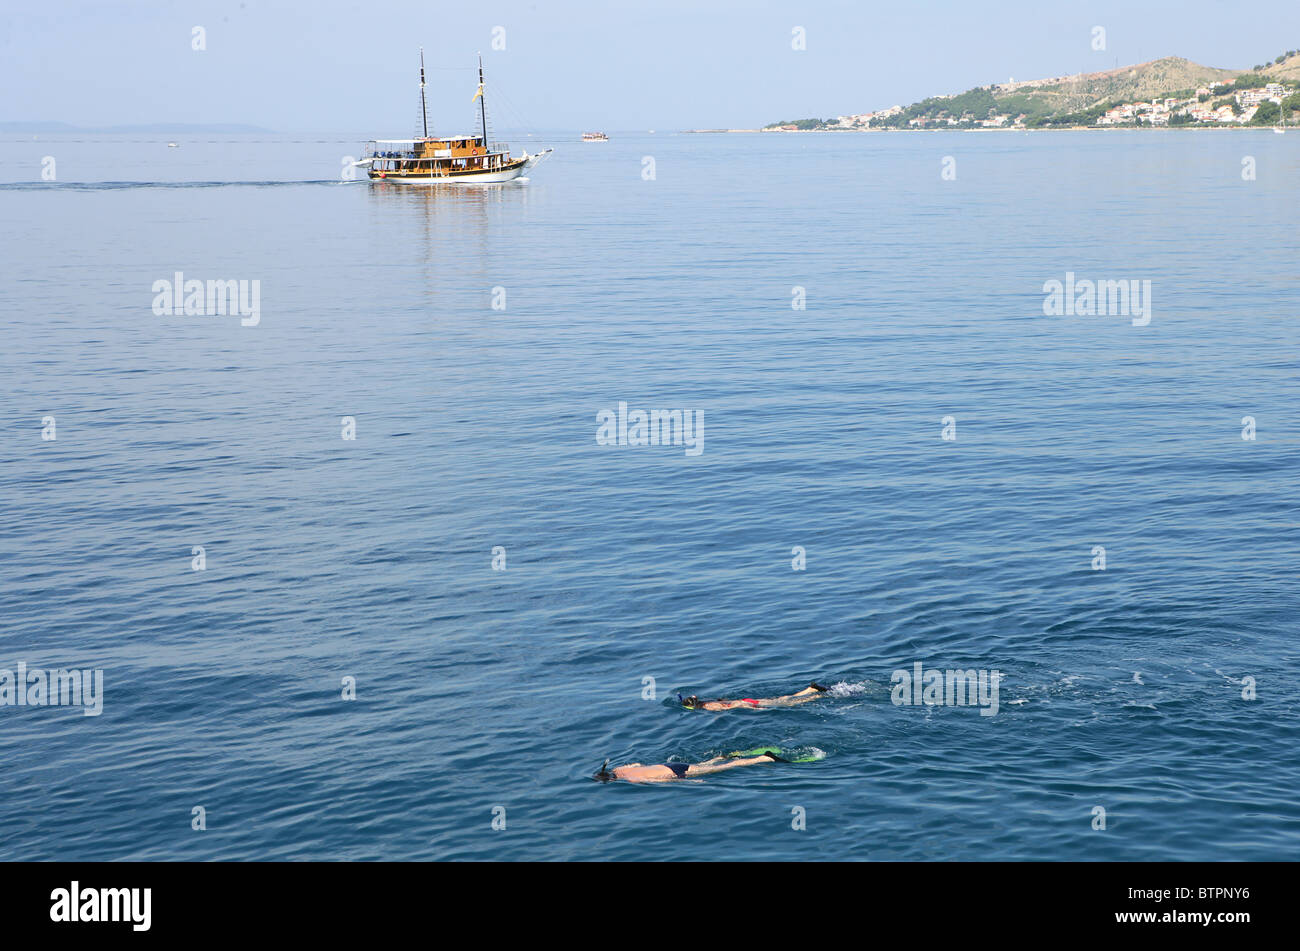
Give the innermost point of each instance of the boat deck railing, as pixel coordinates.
(409, 155)
(438, 167)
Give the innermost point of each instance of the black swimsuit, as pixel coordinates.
(679, 768)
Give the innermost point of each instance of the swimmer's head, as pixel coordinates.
(690, 703)
(603, 775)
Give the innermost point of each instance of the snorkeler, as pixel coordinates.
(669, 772)
(811, 692)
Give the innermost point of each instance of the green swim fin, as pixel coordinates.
(757, 751)
(775, 753)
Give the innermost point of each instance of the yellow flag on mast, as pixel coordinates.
(479, 93)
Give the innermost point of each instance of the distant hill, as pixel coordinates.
(1067, 100)
(1285, 68)
(1145, 81)
(159, 128)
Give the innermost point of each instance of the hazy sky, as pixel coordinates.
(569, 64)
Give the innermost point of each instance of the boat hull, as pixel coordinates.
(460, 177)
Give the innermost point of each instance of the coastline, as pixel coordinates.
(1225, 127)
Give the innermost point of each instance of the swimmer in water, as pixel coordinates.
(670, 772)
(811, 692)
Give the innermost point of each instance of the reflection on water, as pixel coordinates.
(454, 223)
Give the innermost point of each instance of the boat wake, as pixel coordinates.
(117, 186)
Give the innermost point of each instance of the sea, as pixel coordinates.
(385, 565)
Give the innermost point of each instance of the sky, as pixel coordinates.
(338, 66)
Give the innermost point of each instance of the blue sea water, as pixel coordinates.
(483, 694)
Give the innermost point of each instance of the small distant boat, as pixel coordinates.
(595, 137)
(437, 160)
(172, 145)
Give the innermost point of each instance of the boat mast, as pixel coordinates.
(482, 101)
(424, 109)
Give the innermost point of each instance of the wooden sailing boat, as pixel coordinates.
(434, 160)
